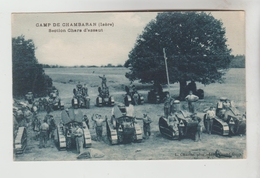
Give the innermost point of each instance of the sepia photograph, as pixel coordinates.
(129, 85)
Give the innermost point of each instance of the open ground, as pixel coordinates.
(156, 147)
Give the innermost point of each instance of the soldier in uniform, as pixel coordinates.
(36, 126)
(191, 99)
(52, 127)
(199, 131)
(104, 81)
(79, 86)
(173, 123)
(209, 119)
(146, 125)
(27, 116)
(85, 90)
(98, 121)
(78, 133)
(44, 133)
(85, 118)
(167, 106)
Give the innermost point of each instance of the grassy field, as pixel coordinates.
(65, 79)
(156, 147)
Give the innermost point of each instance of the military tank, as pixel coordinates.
(228, 120)
(20, 140)
(181, 124)
(193, 87)
(80, 99)
(132, 96)
(104, 98)
(156, 95)
(66, 139)
(54, 102)
(122, 128)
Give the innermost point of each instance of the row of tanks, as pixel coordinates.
(181, 123)
(121, 128)
(51, 102)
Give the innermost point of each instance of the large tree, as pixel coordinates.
(195, 45)
(28, 74)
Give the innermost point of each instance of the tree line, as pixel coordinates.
(80, 66)
(28, 74)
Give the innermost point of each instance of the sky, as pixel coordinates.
(111, 45)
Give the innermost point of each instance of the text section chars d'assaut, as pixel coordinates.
(77, 27)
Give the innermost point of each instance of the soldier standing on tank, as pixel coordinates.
(78, 134)
(167, 106)
(44, 128)
(210, 115)
(104, 81)
(98, 121)
(191, 99)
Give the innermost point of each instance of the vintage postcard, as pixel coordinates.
(158, 85)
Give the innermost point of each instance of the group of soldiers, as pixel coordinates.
(44, 130)
(170, 112)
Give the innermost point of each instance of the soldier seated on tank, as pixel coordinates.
(85, 90)
(220, 111)
(79, 86)
(227, 104)
(106, 92)
(133, 90)
(173, 123)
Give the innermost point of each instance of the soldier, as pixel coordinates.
(104, 81)
(85, 118)
(44, 133)
(27, 116)
(48, 117)
(173, 123)
(99, 125)
(78, 133)
(36, 126)
(79, 86)
(146, 125)
(167, 106)
(210, 115)
(85, 90)
(199, 131)
(52, 127)
(191, 99)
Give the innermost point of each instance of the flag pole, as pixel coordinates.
(164, 54)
